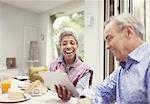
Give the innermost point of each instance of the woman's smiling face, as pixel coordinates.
(68, 47)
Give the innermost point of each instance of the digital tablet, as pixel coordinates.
(55, 78)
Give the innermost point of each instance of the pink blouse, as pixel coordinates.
(75, 71)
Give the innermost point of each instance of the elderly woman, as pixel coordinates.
(70, 63)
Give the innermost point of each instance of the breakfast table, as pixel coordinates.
(48, 98)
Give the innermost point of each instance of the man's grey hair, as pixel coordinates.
(67, 32)
(124, 19)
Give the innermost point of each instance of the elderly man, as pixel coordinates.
(130, 83)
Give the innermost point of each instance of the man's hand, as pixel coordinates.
(63, 93)
(84, 101)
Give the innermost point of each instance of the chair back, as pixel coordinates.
(91, 78)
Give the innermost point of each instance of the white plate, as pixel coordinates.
(4, 99)
(35, 95)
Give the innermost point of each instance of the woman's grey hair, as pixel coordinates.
(124, 19)
(67, 32)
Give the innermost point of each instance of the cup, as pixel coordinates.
(5, 84)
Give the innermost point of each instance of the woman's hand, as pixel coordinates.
(63, 93)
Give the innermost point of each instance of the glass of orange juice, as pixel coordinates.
(5, 84)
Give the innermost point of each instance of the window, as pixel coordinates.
(147, 21)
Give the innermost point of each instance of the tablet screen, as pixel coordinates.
(55, 78)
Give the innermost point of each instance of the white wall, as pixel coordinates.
(94, 38)
(12, 22)
(45, 46)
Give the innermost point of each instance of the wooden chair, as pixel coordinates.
(91, 71)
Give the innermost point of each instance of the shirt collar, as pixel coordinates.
(61, 60)
(139, 52)
(136, 55)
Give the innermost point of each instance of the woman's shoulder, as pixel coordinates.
(54, 60)
(84, 65)
(53, 64)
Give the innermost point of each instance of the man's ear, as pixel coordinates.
(129, 30)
